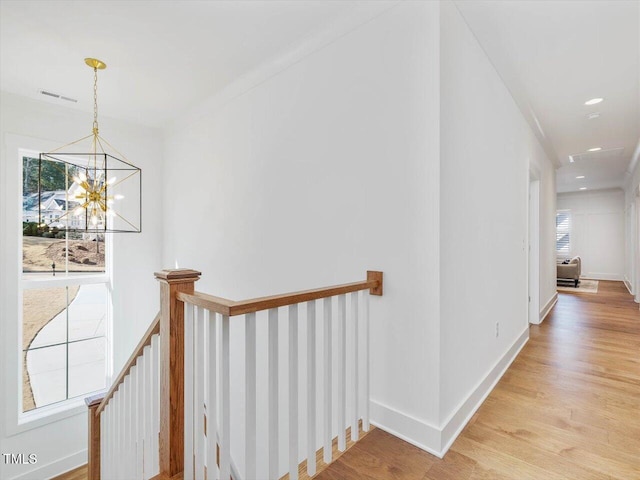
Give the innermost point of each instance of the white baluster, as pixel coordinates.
(140, 419)
(311, 388)
(188, 391)
(155, 404)
(293, 392)
(108, 467)
(212, 399)
(133, 375)
(327, 453)
(115, 471)
(250, 394)
(148, 411)
(342, 380)
(355, 434)
(127, 425)
(225, 441)
(365, 410)
(113, 429)
(124, 408)
(113, 437)
(273, 395)
(121, 427)
(104, 446)
(199, 393)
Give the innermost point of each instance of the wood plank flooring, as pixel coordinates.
(567, 408)
(80, 473)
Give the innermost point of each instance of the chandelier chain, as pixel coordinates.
(95, 101)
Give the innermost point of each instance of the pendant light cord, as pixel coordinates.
(95, 101)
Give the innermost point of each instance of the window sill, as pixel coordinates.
(49, 414)
(37, 281)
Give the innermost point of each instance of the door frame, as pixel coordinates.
(635, 257)
(533, 247)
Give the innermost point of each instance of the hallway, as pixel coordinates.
(567, 408)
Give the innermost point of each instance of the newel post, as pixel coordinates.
(172, 367)
(93, 448)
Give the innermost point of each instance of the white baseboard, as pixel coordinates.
(410, 429)
(438, 440)
(602, 276)
(548, 306)
(459, 419)
(55, 468)
(627, 284)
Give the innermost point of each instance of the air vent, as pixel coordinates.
(600, 156)
(57, 95)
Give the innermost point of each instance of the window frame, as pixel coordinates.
(16, 420)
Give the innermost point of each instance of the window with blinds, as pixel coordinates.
(563, 232)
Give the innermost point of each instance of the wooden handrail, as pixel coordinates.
(153, 329)
(229, 307)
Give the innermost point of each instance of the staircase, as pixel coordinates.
(174, 411)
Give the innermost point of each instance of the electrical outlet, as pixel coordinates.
(497, 329)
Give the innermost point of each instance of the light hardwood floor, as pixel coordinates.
(79, 473)
(567, 408)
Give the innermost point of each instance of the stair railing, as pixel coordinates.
(207, 389)
(174, 394)
(124, 423)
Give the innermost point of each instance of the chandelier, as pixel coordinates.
(101, 191)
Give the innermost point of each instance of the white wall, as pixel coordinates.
(487, 148)
(339, 155)
(597, 231)
(632, 227)
(317, 174)
(28, 123)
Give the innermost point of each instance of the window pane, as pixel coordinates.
(51, 318)
(563, 232)
(49, 207)
(47, 246)
(44, 316)
(80, 253)
(87, 312)
(46, 382)
(86, 366)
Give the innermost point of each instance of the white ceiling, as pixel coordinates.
(555, 55)
(164, 57)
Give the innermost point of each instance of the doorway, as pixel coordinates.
(636, 246)
(534, 248)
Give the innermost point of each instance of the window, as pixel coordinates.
(563, 233)
(65, 296)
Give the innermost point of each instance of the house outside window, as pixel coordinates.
(65, 292)
(563, 233)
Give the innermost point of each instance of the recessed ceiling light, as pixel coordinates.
(593, 101)
(593, 115)
(580, 177)
(594, 149)
(583, 188)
